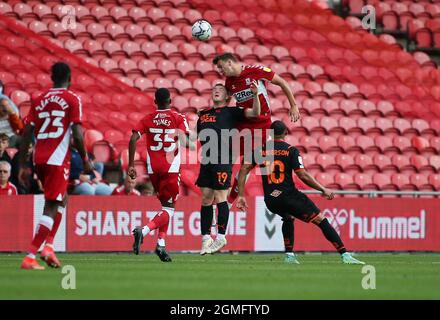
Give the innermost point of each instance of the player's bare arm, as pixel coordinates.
(135, 136)
(78, 140)
(313, 183)
(256, 107)
(241, 200)
(23, 172)
(294, 110)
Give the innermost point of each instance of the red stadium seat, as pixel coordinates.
(383, 181)
(102, 151)
(402, 181)
(364, 181)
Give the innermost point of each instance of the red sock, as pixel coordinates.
(56, 224)
(43, 229)
(163, 231)
(161, 219)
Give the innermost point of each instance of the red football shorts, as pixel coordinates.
(54, 180)
(166, 185)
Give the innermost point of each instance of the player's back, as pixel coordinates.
(52, 115)
(276, 172)
(162, 128)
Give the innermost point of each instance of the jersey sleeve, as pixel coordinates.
(183, 124)
(139, 127)
(76, 109)
(295, 159)
(263, 73)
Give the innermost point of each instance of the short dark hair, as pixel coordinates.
(4, 136)
(162, 96)
(60, 72)
(278, 127)
(224, 57)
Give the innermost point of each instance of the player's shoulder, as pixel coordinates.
(291, 148)
(254, 67)
(11, 186)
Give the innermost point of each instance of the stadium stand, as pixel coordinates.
(365, 102)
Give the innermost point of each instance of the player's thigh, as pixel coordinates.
(207, 196)
(169, 187)
(221, 195)
(301, 207)
(54, 180)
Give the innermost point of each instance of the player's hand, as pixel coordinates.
(131, 172)
(254, 87)
(88, 167)
(23, 176)
(328, 194)
(294, 114)
(241, 203)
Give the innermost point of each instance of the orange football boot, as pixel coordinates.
(31, 264)
(48, 256)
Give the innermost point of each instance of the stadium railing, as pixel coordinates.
(377, 193)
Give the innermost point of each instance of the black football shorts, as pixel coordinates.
(215, 176)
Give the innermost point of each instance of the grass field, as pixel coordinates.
(224, 276)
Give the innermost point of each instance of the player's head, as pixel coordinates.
(227, 64)
(279, 129)
(129, 184)
(61, 75)
(162, 98)
(5, 172)
(220, 94)
(4, 104)
(4, 142)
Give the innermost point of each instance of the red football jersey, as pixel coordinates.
(120, 191)
(53, 114)
(8, 190)
(239, 87)
(161, 128)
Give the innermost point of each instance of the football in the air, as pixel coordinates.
(201, 30)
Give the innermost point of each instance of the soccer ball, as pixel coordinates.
(201, 30)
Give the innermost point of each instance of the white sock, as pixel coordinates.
(30, 255)
(290, 254)
(161, 242)
(220, 236)
(145, 231)
(206, 237)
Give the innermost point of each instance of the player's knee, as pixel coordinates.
(207, 201)
(318, 219)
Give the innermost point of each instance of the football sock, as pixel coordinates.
(223, 217)
(206, 213)
(44, 226)
(288, 233)
(161, 242)
(56, 224)
(164, 228)
(161, 219)
(332, 236)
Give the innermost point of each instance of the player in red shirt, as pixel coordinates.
(6, 188)
(162, 128)
(239, 78)
(127, 189)
(54, 116)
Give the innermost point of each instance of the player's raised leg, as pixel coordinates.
(333, 237)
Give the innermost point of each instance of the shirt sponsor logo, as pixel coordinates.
(276, 193)
(206, 118)
(243, 95)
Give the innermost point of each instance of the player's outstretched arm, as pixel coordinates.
(24, 147)
(256, 107)
(135, 136)
(313, 183)
(294, 110)
(244, 171)
(78, 140)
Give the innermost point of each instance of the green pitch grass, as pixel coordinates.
(224, 276)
